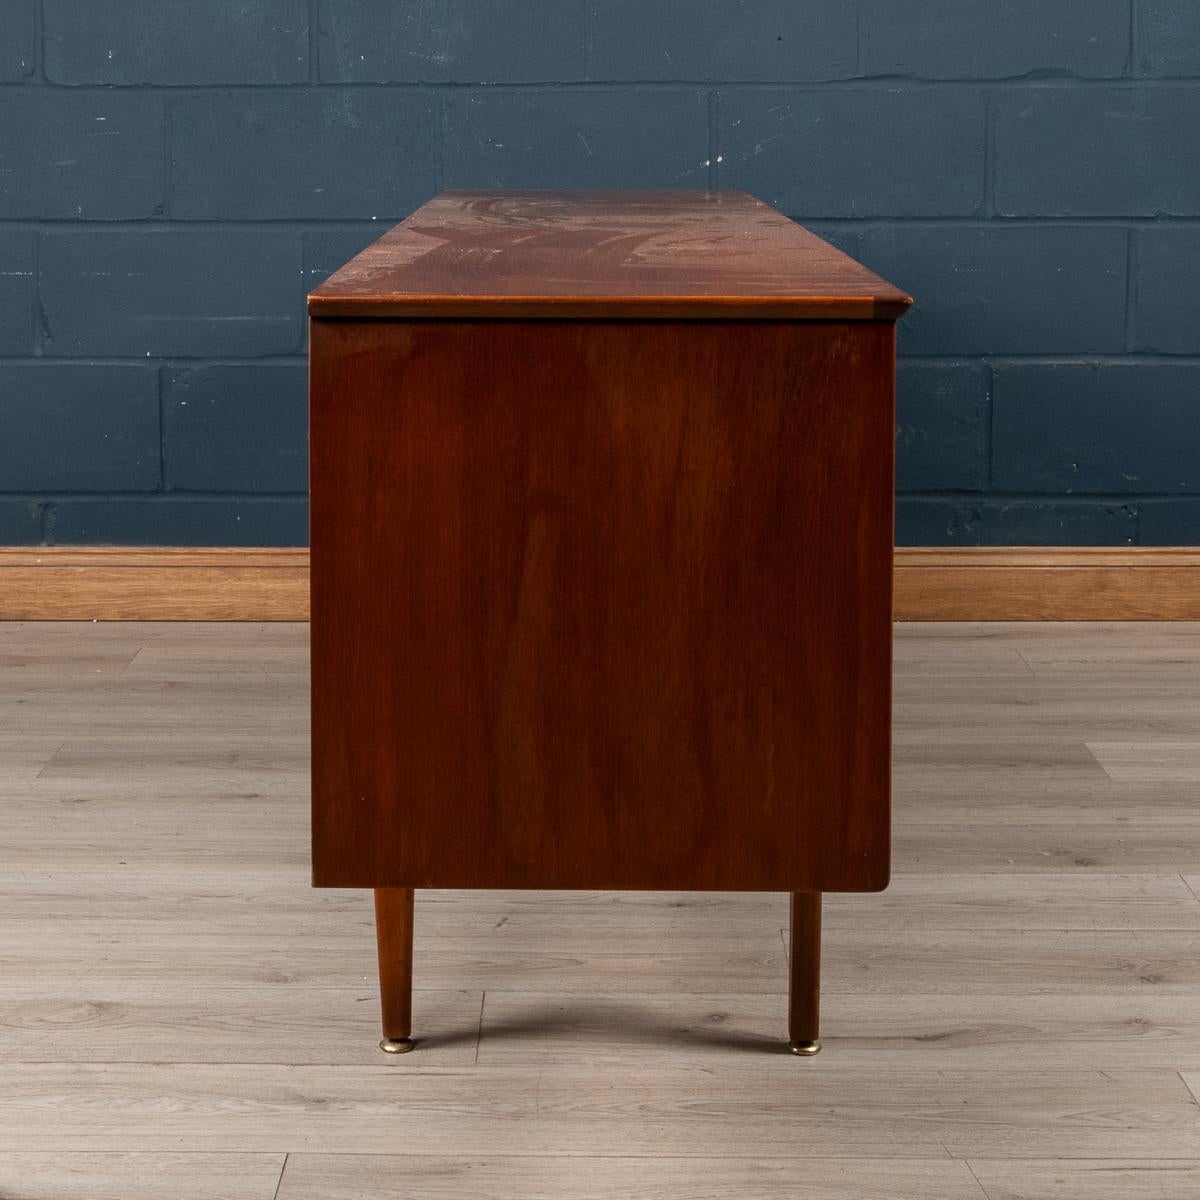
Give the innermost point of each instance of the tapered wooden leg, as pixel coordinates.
(394, 934)
(804, 1002)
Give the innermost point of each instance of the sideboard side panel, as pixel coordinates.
(602, 604)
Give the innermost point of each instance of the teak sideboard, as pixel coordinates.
(602, 560)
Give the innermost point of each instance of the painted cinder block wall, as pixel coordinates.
(174, 176)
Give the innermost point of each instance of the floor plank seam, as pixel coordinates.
(279, 1181)
(1018, 1016)
(479, 1027)
(978, 1182)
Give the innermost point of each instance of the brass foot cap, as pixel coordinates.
(806, 1049)
(396, 1045)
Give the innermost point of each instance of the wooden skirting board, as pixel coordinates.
(110, 583)
(124, 583)
(1046, 583)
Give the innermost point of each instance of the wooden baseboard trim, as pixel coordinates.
(110, 583)
(1046, 583)
(123, 583)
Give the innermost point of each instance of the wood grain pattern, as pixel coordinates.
(1054, 900)
(960, 584)
(280, 1023)
(1054, 1179)
(394, 945)
(1127, 583)
(363, 1177)
(763, 1113)
(804, 969)
(568, 627)
(185, 812)
(221, 1003)
(115, 1176)
(106, 583)
(884, 1031)
(1067, 962)
(1014, 839)
(604, 255)
(1156, 761)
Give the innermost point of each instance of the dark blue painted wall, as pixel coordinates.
(174, 176)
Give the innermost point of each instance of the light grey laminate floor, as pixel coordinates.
(182, 1017)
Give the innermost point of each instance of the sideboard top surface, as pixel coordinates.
(604, 254)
